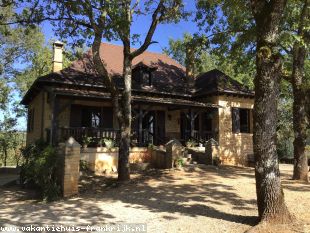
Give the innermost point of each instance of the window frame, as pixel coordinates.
(236, 120)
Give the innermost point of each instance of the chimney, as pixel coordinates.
(57, 55)
(190, 66)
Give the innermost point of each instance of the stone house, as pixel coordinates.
(166, 104)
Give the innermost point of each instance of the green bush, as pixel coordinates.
(83, 165)
(40, 169)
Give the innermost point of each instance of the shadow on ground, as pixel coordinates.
(180, 192)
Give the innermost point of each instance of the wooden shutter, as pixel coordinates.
(75, 116)
(107, 118)
(235, 120)
(251, 121)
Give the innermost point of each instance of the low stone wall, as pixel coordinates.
(159, 159)
(101, 159)
(198, 154)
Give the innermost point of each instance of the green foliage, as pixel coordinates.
(10, 141)
(83, 165)
(40, 169)
(191, 143)
(179, 162)
(109, 143)
(207, 59)
(86, 140)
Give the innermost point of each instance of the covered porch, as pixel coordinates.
(154, 120)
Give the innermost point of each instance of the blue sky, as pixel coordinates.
(141, 25)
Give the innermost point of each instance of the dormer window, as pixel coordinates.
(143, 75)
(146, 78)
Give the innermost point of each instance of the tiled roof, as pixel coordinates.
(216, 82)
(168, 76)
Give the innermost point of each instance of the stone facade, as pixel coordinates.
(101, 159)
(234, 147)
(42, 117)
(69, 171)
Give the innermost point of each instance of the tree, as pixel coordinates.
(7, 133)
(233, 36)
(205, 59)
(39, 64)
(92, 21)
(299, 90)
(270, 196)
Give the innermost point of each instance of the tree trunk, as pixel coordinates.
(5, 151)
(300, 126)
(125, 124)
(270, 197)
(299, 104)
(121, 108)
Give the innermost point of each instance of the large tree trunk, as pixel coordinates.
(121, 104)
(299, 104)
(123, 158)
(270, 197)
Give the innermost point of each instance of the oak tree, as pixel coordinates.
(92, 21)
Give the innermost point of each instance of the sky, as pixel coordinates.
(140, 26)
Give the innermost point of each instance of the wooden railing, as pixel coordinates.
(95, 133)
(200, 137)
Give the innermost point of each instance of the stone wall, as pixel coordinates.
(106, 160)
(37, 104)
(173, 124)
(233, 147)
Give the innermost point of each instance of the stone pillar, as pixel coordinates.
(174, 151)
(69, 153)
(211, 151)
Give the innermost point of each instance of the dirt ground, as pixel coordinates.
(197, 199)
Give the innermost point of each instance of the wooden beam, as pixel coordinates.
(140, 121)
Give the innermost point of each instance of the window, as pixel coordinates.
(146, 78)
(142, 76)
(241, 120)
(30, 120)
(95, 117)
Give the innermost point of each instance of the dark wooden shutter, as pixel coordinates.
(107, 118)
(160, 129)
(251, 121)
(75, 116)
(235, 120)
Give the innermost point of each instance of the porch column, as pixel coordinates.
(140, 119)
(192, 122)
(54, 120)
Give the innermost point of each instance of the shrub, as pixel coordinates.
(40, 169)
(83, 165)
(109, 143)
(191, 143)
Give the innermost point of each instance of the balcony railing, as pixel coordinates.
(95, 133)
(200, 137)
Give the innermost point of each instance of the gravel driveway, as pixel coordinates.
(197, 199)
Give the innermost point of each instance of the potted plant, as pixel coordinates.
(191, 143)
(109, 143)
(86, 141)
(179, 162)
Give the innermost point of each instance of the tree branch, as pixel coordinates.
(155, 20)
